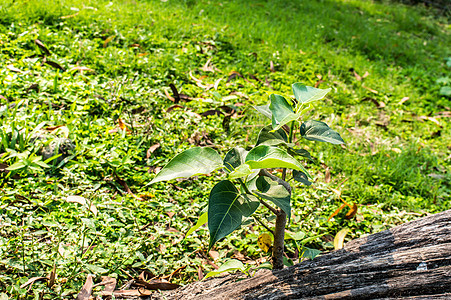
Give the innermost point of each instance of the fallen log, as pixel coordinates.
(412, 261)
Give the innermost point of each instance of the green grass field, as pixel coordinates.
(110, 63)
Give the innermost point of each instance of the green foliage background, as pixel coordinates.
(395, 166)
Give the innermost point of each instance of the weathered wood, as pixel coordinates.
(412, 260)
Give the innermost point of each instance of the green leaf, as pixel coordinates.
(287, 262)
(16, 166)
(300, 152)
(274, 192)
(191, 162)
(267, 157)
(265, 265)
(297, 236)
(251, 204)
(264, 110)
(39, 162)
(319, 131)
(96, 269)
(282, 112)
(228, 266)
(305, 94)
(301, 177)
(241, 171)
(270, 137)
(234, 158)
(310, 253)
(445, 91)
(201, 221)
(226, 209)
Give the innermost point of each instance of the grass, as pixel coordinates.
(395, 166)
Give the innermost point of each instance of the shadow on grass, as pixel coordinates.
(395, 34)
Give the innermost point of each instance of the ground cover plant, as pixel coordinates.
(133, 84)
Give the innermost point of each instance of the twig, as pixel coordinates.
(263, 224)
(286, 185)
(272, 209)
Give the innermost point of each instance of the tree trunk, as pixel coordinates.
(412, 260)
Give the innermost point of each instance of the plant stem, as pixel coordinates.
(281, 222)
(244, 186)
(279, 236)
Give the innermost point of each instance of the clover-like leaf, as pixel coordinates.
(191, 162)
(319, 131)
(305, 94)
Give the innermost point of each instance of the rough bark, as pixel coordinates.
(411, 261)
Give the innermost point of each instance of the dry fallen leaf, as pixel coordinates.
(214, 254)
(370, 89)
(51, 277)
(336, 212)
(86, 290)
(122, 125)
(52, 128)
(146, 275)
(209, 68)
(171, 108)
(152, 149)
(200, 274)
(200, 84)
(403, 100)
(53, 64)
(132, 293)
(357, 76)
(109, 39)
(351, 213)
(327, 176)
(155, 284)
(110, 285)
(70, 16)
(339, 238)
(169, 96)
(432, 119)
(271, 66)
(42, 47)
(82, 69)
(264, 241)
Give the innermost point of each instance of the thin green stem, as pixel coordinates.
(290, 139)
(243, 185)
(263, 224)
(290, 136)
(272, 209)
